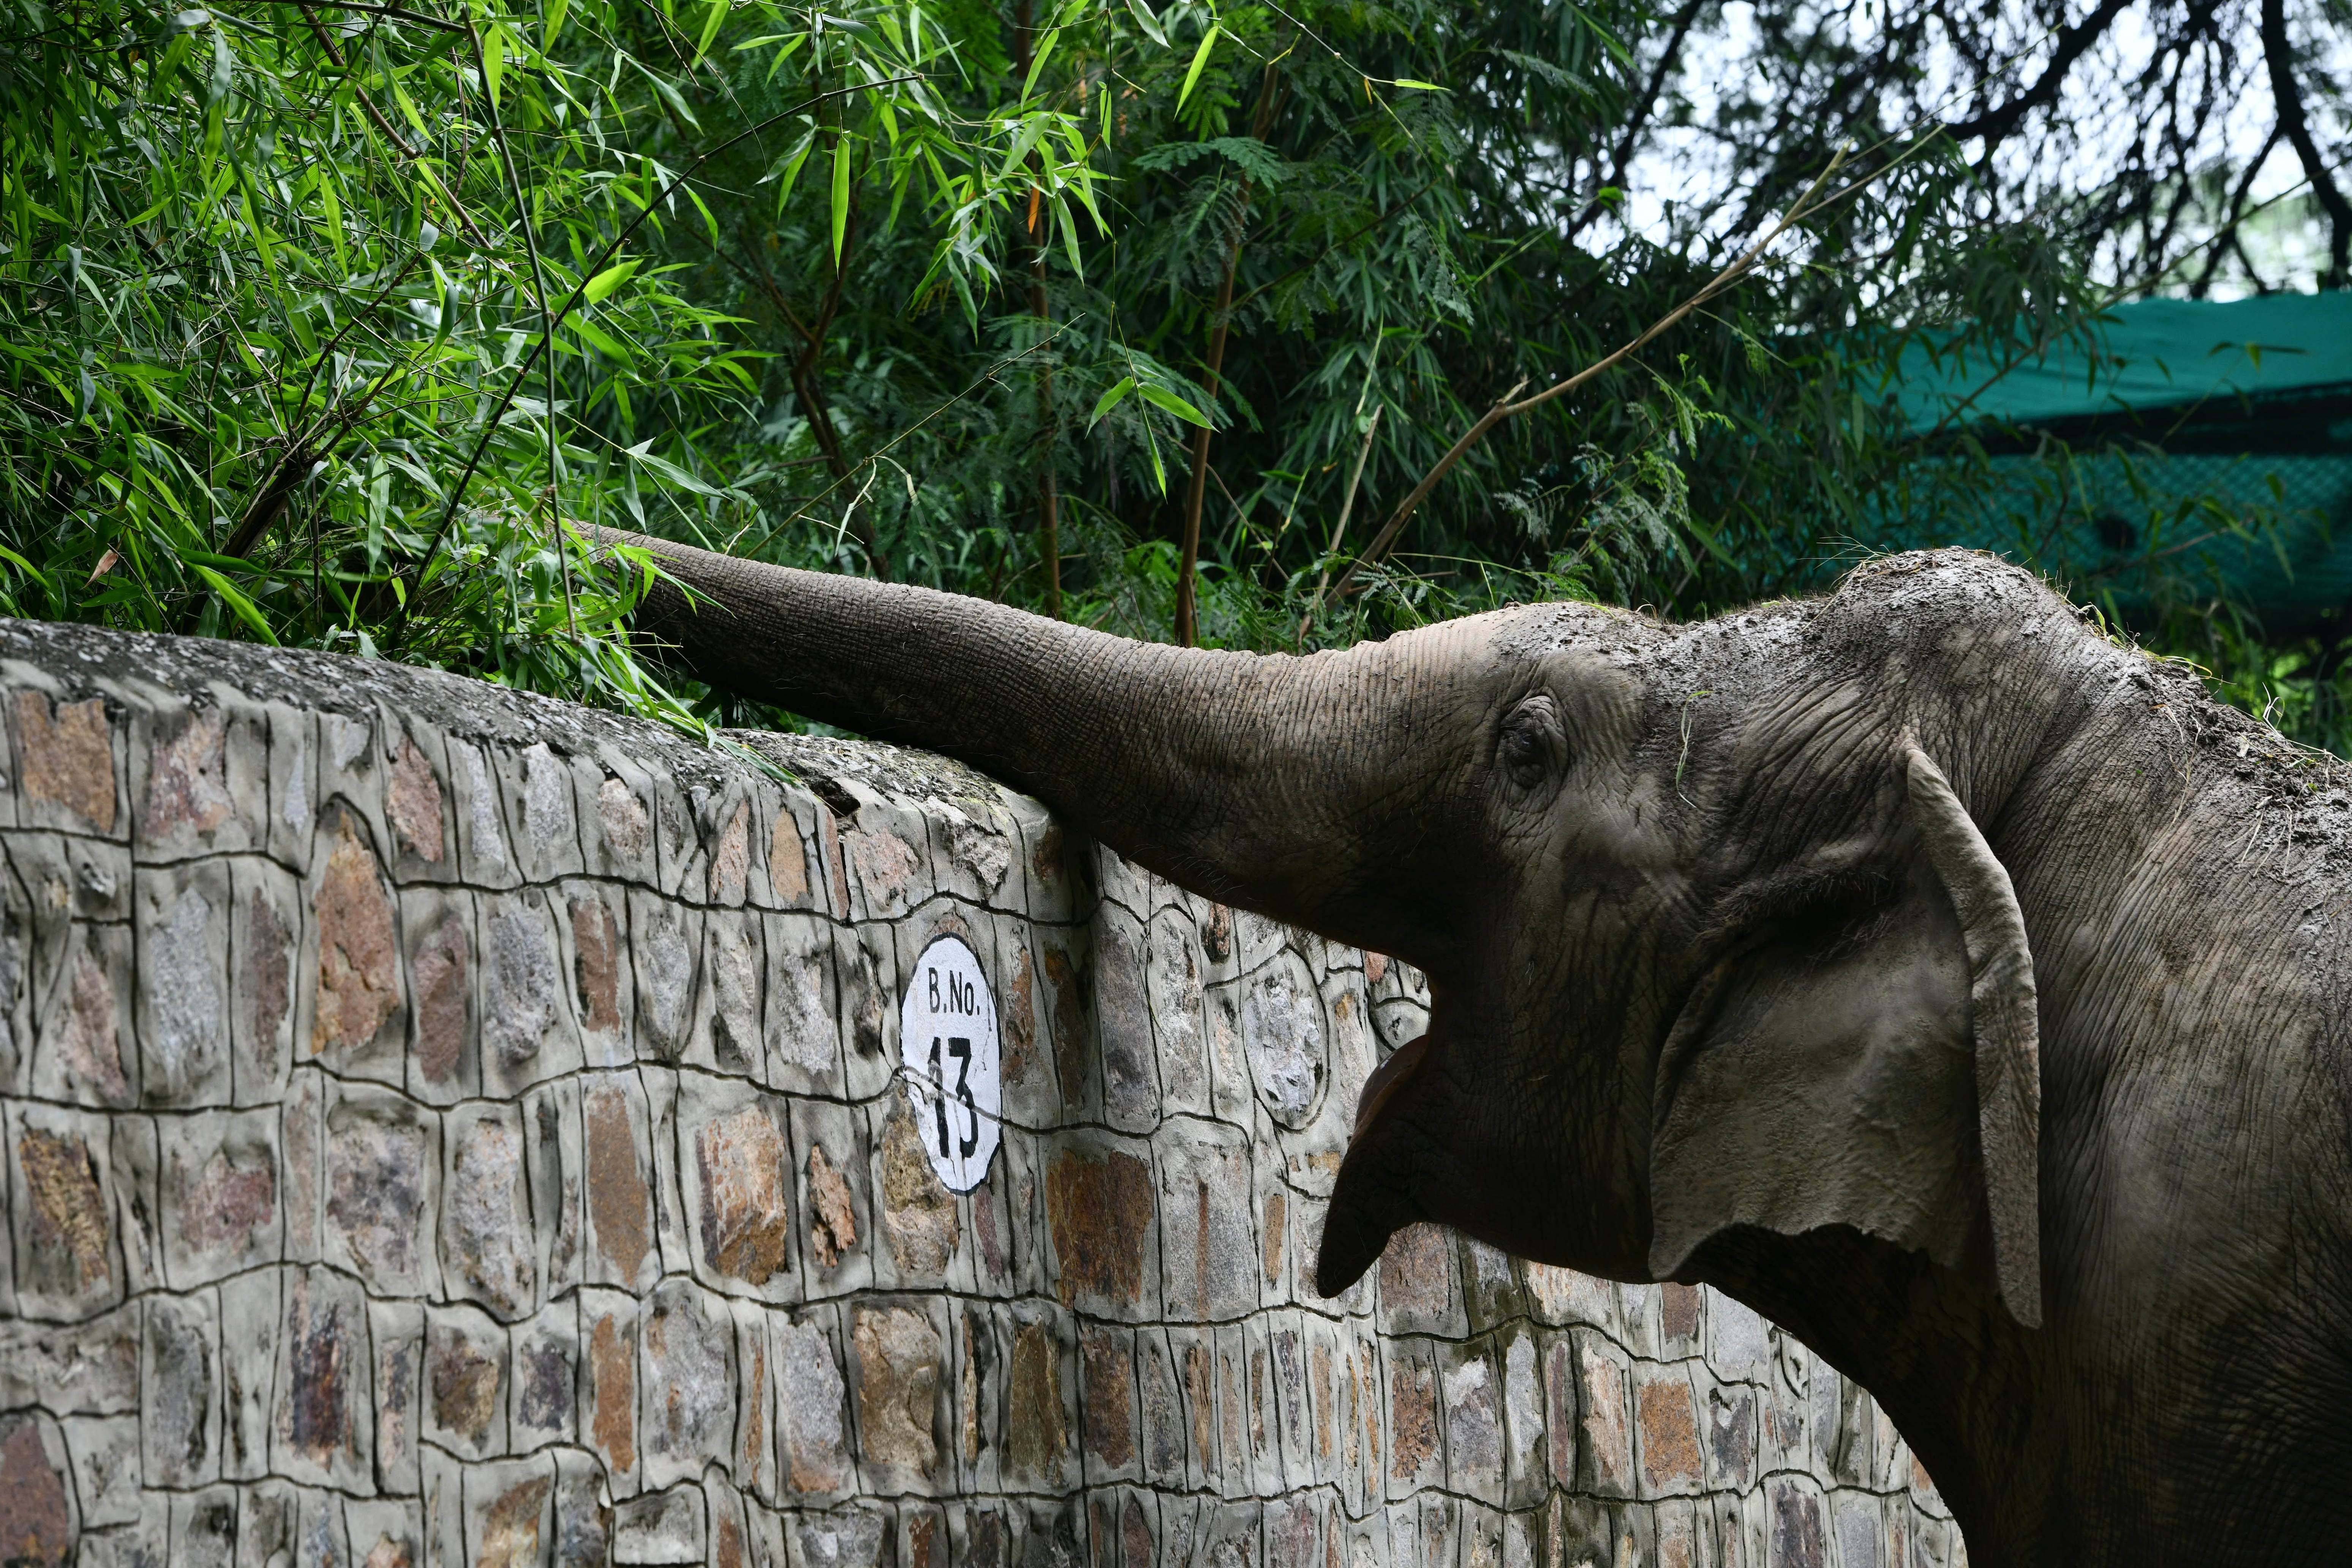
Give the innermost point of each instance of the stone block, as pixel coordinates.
(617, 1156)
(738, 1182)
(1415, 1455)
(417, 807)
(385, 1532)
(1491, 1293)
(509, 1520)
(592, 922)
(1739, 1342)
(795, 873)
(68, 769)
(1099, 1210)
(324, 1430)
(1065, 959)
(542, 803)
(1561, 1296)
(1729, 1413)
(687, 1407)
(1286, 1347)
(921, 1222)
(301, 1161)
(105, 1467)
(1667, 1419)
(901, 1390)
(402, 1396)
(183, 915)
(885, 849)
(730, 1006)
(39, 1521)
(440, 932)
(490, 1251)
(978, 1357)
(265, 945)
(866, 968)
(673, 1209)
(1041, 1387)
(1129, 1071)
(1179, 1022)
(443, 1497)
(382, 1159)
(1209, 1247)
(752, 1463)
(584, 1516)
(527, 1033)
(478, 817)
(1861, 1532)
(89, 1368)
(1418, 1285)
(802, 1025)
(660, 1528)
(1798, 1535)
(63, 1211)
(293, 783)
(974, 846)
(1106, 1406)
(1639, 1309)
(204, 1528)
(848, 1538)
(544, 1379)
(834, 1177)
(220, 1211)
(466, 1382)
(553, 1168)
(665, 947)
(1286, 1037)
(86, 1052)
(813, 1459)
(1524, 1436)
(353, 1010)
(608, 1383)
(1475, 1460)
(136, 1158)
(1057, 870)
(731, 850)
(619, 840)
(1602, 1382)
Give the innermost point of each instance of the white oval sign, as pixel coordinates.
(947, 1040)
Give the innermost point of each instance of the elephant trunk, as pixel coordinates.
(1232, 774)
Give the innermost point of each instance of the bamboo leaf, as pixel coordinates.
(1111, 399)
(244, 608)
(840, 196)
(604, 282)
(1200, 58)
(1160, 398)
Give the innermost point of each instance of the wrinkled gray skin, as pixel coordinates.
(1699, 984)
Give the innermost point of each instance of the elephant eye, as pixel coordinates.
(1531, 744)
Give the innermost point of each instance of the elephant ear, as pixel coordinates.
(1829, 1072)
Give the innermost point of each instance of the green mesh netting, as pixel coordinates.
(2260, 510)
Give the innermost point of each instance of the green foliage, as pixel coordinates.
(342, 324)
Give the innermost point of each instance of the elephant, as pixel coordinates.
(1949, 980)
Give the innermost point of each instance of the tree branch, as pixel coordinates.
(2278, 53)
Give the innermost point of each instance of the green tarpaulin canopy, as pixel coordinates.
(2222, 443)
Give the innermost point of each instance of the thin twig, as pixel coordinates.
(1339, 529)
(1510, 404)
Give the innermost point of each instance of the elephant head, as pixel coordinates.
(1715, 935)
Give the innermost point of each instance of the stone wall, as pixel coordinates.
(443, 1126)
